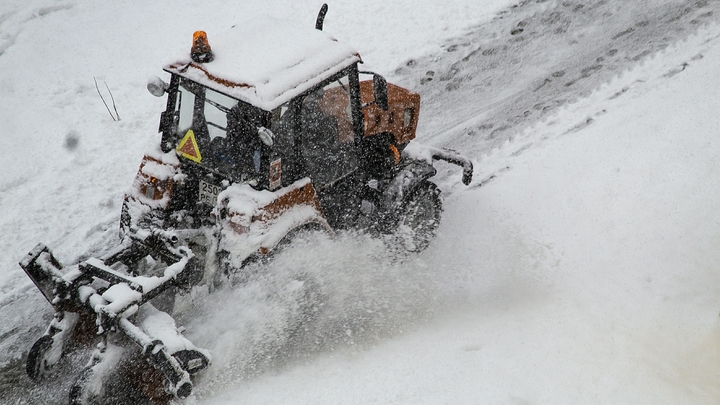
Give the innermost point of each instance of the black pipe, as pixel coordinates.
(321, 17)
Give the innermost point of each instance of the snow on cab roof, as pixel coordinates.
(267, 61)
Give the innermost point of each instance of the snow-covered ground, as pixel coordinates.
(580, 266)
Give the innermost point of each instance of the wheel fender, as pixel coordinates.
(253, 221)
(405, 183)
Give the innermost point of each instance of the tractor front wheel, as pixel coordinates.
(36, 364)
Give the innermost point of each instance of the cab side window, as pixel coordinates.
(327, 133)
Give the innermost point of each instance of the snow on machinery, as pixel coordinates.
(270, 132)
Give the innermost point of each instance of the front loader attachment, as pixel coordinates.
(100, 297)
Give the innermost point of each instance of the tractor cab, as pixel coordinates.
(269, 110)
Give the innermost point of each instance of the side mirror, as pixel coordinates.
(266, 136)
(380, 91)
(157, 87)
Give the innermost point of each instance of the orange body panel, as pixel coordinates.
(298, 196)
(291, 197)
(401, 118)
(267, 215)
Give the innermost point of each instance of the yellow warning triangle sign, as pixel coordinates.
(188, 147)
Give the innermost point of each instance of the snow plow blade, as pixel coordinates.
(156, 353)
(103, 298)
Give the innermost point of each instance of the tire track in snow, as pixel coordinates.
(12, 23)
(503, 76)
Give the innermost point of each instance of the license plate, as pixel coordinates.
(208, 193)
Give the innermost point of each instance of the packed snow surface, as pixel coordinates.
(580, 266)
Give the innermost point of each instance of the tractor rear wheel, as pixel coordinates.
(419, 217)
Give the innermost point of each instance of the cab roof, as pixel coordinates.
(266, 62)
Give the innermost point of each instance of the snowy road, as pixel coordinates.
(517, 301)
(486, 87)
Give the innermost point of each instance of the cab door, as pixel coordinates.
(328, 139)
(328, 150)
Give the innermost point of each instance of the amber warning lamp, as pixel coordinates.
(201, 52)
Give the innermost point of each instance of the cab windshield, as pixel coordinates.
(218, 132)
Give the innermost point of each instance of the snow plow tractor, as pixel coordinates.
(270, 130)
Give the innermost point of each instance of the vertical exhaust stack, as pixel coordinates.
(321, 17)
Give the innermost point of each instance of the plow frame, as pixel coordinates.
(100, 289)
